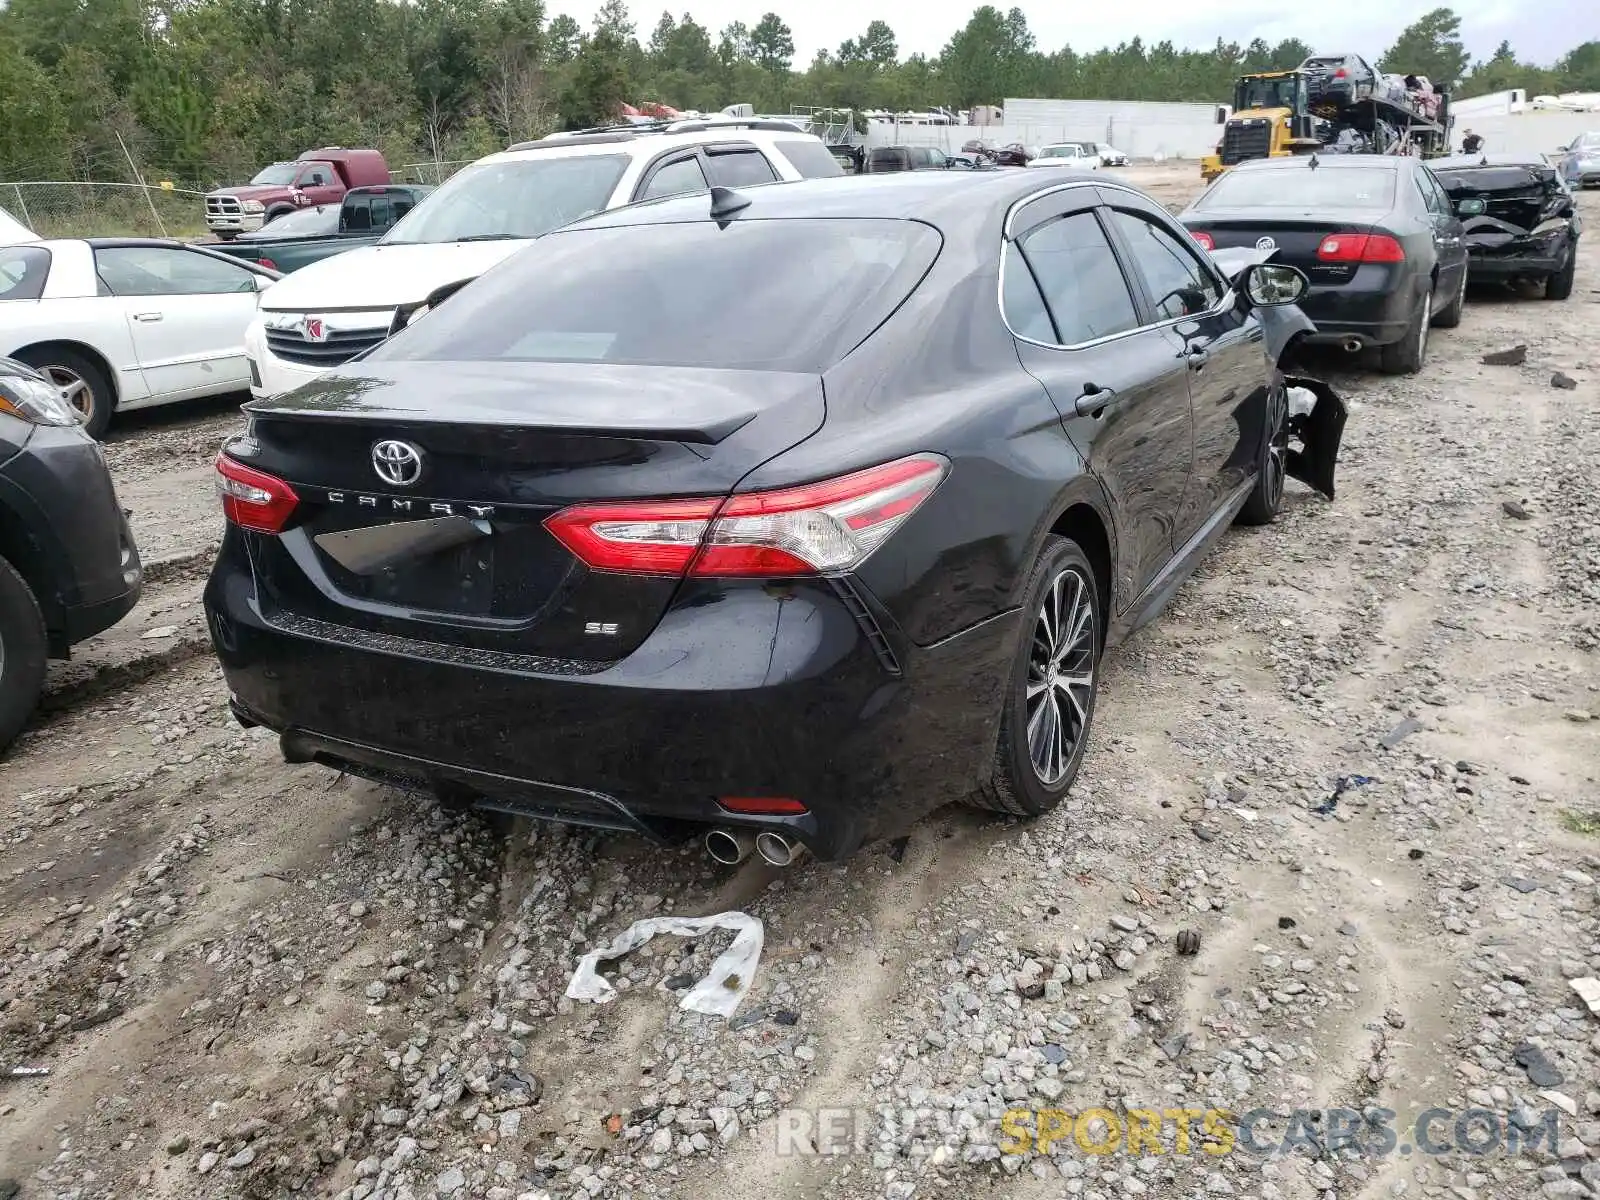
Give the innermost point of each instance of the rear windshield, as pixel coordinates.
(322, 219)
(811, 158)
(759, 295)
(23, 270)
(1324, 187)
(513, 198)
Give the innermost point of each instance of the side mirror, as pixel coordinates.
(1472, 206)
(1271, 285)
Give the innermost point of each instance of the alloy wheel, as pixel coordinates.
(1276, 468)
(1061, 667)
(73, 386)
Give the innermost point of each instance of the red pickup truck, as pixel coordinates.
(316, 177)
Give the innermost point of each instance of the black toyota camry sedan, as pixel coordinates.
(1375, 234)
(781, 515)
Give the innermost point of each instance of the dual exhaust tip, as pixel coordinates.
(731, 847)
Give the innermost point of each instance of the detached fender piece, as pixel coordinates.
(1316, 419)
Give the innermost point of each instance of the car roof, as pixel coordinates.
(647, 139)
(942, 199)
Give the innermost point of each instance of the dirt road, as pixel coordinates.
(251, 980)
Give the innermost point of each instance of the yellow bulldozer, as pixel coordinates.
(1270, 119)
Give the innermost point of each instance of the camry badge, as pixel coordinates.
(399, 463)
(1266, 243)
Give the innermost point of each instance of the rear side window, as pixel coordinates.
(1079, 276)
(811, 158)
(23, 270)
(1324, 187)
(358, 214)
(759, 295)
(1024, 306)
(675, 179)
(739, 168)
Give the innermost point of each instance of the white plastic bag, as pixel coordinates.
(718, 994)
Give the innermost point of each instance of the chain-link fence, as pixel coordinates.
(429, 172)
(54, 208)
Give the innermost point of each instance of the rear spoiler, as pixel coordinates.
(407, 313)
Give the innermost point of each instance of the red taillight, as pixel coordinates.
(268, 264)
(1340, 73)
(1360, 248)
(1207, 242)
(253, 499)
(818, 527)
(762, 806)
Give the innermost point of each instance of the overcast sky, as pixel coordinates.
(1540, 30)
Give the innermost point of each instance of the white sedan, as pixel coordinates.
(125, 323)
(1067, 154)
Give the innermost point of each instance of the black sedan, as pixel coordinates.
(1375, 234)
(783, 515)
(1519, 218)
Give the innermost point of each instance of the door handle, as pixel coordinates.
(1197, 359)
(1093, 400)
(150, 316)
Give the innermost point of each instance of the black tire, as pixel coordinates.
(23, 650)
(1406, 356)
(1450, 316)
(225, 235)
(274, 213)
(1017, 785)
(68, 369)
(1266, 498)
(1559, 285)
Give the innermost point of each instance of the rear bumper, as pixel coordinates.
(1535, 259)
(807, 692)
(1371, 315)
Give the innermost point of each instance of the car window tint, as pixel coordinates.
(811, 158)
(23, 270)
(1082, 283)
(675, 179)
(1179, 285)
(164, 271)
(1023, 305)
(790, 295)
(740, 168)
(358, 215)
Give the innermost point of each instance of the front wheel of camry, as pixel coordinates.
(1054, 680)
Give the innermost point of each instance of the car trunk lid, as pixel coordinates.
(1295, 237)
(452, 548)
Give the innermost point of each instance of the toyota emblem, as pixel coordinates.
(315, 331)
(1266, 243)
(399, 463)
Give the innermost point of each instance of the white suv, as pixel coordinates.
(325, 314)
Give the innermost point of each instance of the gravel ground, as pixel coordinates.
(1334, 846)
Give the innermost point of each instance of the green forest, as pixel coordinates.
(206, 91)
